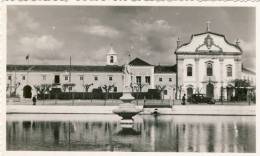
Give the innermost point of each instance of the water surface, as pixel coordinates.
(104, 133)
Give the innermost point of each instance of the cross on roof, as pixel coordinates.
(208, 26)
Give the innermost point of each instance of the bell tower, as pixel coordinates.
(112, 57)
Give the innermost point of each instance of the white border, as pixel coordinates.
(213, 3)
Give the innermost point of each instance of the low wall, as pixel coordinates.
(176, 110)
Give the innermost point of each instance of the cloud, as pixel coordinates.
(156, 35)
(161, 26)
(41, 48)
(45, 42)
(249, 54)
(22, 20)
(95, 27)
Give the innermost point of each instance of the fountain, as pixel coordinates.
(127, 110)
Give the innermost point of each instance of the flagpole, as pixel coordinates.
(28, 64)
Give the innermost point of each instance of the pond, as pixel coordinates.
(168, 133)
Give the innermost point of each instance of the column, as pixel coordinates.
(179, 75)
(197, 73)
(221, 67)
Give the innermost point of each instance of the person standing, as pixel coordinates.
(34, 100)
(183, 99)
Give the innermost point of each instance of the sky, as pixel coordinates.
(51, 34)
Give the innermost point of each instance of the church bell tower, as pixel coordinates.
(112, 57)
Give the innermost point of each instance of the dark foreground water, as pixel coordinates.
(104, 133)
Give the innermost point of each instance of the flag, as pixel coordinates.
(27, 57)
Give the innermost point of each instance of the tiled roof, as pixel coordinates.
(247, 70)
(165, 69)
(139, 62)
(64, 68)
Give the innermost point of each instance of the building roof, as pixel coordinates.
(209, 42)
(64, 68)
(247, 70)
(138, 62)
(165, 69)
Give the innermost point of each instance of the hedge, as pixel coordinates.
(96, 95)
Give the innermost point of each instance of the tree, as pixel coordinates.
(87, 86)
(179, 89)
(42, 89)
(140, 86)
(66, 86)
(161, 88)
(107, 89)
(241, 88)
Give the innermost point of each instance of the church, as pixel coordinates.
(207, 65)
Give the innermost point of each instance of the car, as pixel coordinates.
(200, 98)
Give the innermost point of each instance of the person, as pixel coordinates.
(183, 99)
(34, 100)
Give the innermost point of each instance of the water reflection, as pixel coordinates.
(149, 133)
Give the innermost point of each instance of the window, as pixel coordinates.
(189, 70)
(111, 59)
(57, 79)
(66, 78)
(110, 78)
(209, 69)
(160, 79)
(23, 77)
(44, 77)
(81, 77)
(165, 92)
(170, 79)
(95, 78)
(147, 79)
(70, 88)
(138, 79)
(229, 71)
(115, 89)
(9, 77)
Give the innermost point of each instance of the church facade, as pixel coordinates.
(207, 65)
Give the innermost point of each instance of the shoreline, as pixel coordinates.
(216, 110)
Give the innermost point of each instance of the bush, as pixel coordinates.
(97, 94)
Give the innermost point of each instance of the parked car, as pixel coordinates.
(200, 98)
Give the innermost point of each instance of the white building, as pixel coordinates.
(25, 77)
(208, 63)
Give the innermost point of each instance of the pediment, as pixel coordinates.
(208, 42)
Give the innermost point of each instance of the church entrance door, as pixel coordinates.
(229, 93)
(27, 91)
(210, 90)
(189, 92)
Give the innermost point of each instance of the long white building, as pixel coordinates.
(204, 65)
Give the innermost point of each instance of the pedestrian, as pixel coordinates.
(183, 99)
(34, 100)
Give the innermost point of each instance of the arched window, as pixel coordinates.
(189, 70)
(209, 69)
(229, 71)
(111, 59)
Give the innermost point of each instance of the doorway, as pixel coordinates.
(210, 90)
(27, 91)
(189, 92)
(57, 79)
